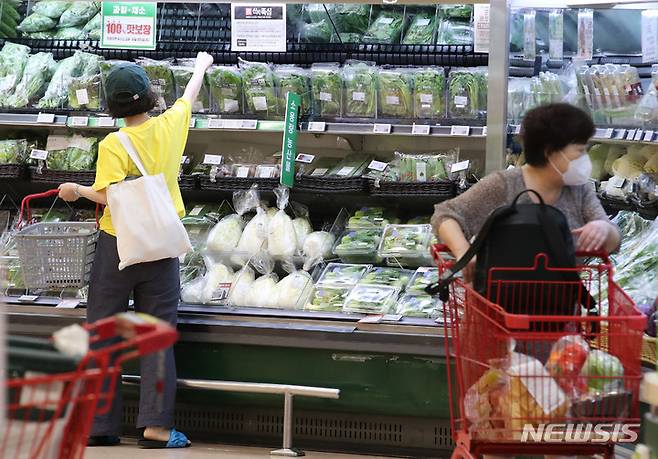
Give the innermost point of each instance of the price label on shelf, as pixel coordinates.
(648, 136)
(392, 317)
(319, 172)
(214, 160)
(484, 131)
(192, 122)
(27, 298)
(638, 135)
(242, 172)
(105, 121)
(377, 165)
(215, 123)
(630, 134)
(621, 134)
(196, 211)
(617, 181)
(232, 124)
(47, 118)
(68, 303)
(266, 171)
(345, 171)
(79, 121)
(317, 126)
(39, 154)
(609, 133)
(304, 158)
(460, 166)
(250, 124)
(420, 129)
(460, 130)
(221, 292)
(381, 129)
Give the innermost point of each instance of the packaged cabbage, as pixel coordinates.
(78, 14)
(464, 94)
(225, 84)
(603, 372)
(371, 299)
(597, 155)
(454, 33)
(225, 235)
(327, 86)
(242, 287)
(369, 217)
(94, 24)
(37, 73)
(423, 277)
(182, 75)
(36, 23)
(13, 59)
(13, 151)
(462, 12)
(406, 241)
(218, 281)
(395, 93)
(259, 88)
(328, 299)
(386, 28)
(51, 8)
(424, 306)
(342, 275)
(192, 291)
(57, 91)
(303, 229)
(292, 78)
(392, 277)
(71, 153)
(264, 292)
(360, 89)
(254, 238)
(294, 290)
(421, 30)
(429, 92)
(317, 247)
(359, 246)
(162, 81)
(281, 237)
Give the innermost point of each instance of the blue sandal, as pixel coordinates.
(176, 440)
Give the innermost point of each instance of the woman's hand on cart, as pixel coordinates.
(69, 192)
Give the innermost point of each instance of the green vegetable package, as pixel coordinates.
(395, 93)
(13, 58)
(162, 81)
(466, 93)
(57, 91)
(51, 8)
(295, 79)
(421, 30)
(85, 90)
(327, 89)
(360, 89)
(37, 73)
(13, 151)
(36, 23)
(429, 92)
(259, 88)
(225, 84)
(386, 28)
(182, 75)
(74, 153)
(78, 14)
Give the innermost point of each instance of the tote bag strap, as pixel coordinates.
(130, 149)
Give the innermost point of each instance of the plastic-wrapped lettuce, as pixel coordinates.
(360, 89)
(462, 12)
(316, 32)
(454, 33)
(182, 75)
(36, 23)
(316, 12)
(46, 35)
(78, 14)
(294, 290)
(71, 153)
(94, 25)
(351, 17)
(259, 88)
(349, 37)
(13, 151)
(70, 33)
(421, 30)
(13, 58)
(429, 92)
(386, 28)
(51, 8)
(85, 90)
(162, 81)
(292, 78)
(464, 93)
(395, 93)
(327, 85)
(37, 73)
(67, 70)
(225, 84)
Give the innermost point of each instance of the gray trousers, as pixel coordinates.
(156, 288)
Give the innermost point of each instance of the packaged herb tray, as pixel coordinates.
(359, 246)
(371, 299)
(342, 275)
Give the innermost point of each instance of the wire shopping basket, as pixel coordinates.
(536, 383)
(52, 399)
(54, 255)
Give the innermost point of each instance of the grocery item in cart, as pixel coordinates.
(565, 364)
(360, 89)
(328, 298)
(359, 245)
(424, 306)
(259, 88)
(225, 84)
(162, 81)
(429, 85)
(327, 84)
(405, 241)
(371, 299)
(386, 28)
(392, 277)
(395, 92)
(604, 373)
(342, 275)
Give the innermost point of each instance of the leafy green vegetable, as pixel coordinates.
(316, 32)
(259, 88)
(70, 33)
(386, 28)
(359, 246)
(328, 299)
(463, 12)
(36, 75)
(338, 274)
(182, 75)
(47, 35)
(429, 92)
(74, 153)
(395, 93)
(13, 58)
(78, 14)
(371, 299)
(51, 8)
(225, 84)
(421, 30)
(13, 151)
(162, 81)
(294, 79)
(91, 86)
(67, 70)
(327, 89)
(405, 241)
(421, 168)
(94, 24)
(360, 89)
(351, 17)
(350, 37)
(36, 23)
(423, 277)
(316, 12)
(369, 217)
(423, 306)
(464, 94)
(454, 33)
(393, 277)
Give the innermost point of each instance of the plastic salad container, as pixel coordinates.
(359, 246)
(371, 299)
(342, 275)
(328, 298)
(423, 277)
(424, 306)
(405, 241)
(369, 217)
(392, 277)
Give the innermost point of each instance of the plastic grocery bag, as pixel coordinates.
(317, 247)
(51, 8)
(13, 59)
(294, 290)
(281, 238)
(36, 23)
(78, 14)
(36, 75)
(243, 284)
(259, 87)
(263, 292)
(57, 91)
(566, 361)
(360, 89)
(225, 83)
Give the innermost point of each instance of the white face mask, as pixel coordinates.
(578, 172)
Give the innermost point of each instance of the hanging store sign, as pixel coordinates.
(585, 34)
(258, 27)
(481, 29)
(649, 36)
(126, 25)
(289, 147)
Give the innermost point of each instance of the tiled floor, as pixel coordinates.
(128, 449)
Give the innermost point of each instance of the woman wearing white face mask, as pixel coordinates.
(557, 167)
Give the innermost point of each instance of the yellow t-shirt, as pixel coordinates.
(160, 142)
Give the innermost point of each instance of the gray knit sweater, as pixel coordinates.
(471, 209)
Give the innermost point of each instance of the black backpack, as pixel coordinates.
(512, 237)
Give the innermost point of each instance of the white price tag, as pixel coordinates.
(386, 21)
(648, 136)
(184, 159)
(460, 130)
(319, 172)
(215, 123)
(242, 172)
(461, 101)
(517, 129)
(27, 298)
(249, 124)
(484, 131)
(105, 121)
(215, 160)
(609, 133)
(510, 167)
(423, 22)
(372, 319)
(79, 121)
(392, 100)
(630, 134)
(345, 171)
(233, 124)
(377, 165)
(266, 171)
(420, 129)
(69, 303)
(196, 211)
(621, 134)
(39, 154)
(304, 158)
(392, 317)
(638, 135)
(381, 129)
(46, 118)
(260, 103)
(192, 122)
(82, 95)
(221, 292)
(460, 166)
(617, 181)
(325, 96)
(359, 96)
(317, 126)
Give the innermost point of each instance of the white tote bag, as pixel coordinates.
(144, 217)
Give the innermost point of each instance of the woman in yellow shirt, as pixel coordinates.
(155, 286)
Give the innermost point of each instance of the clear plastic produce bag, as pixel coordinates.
(360, 89)
(225, 84)
(395, 92)
(259, 88)
(292, 78)
(429, 92)
(327, 83)
(162, 81)
(386, 28)
(32, 86)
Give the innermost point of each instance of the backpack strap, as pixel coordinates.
(132, 153)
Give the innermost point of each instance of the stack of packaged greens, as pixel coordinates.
(64, 20)
(32, 86)
(71, 153)
(430, 167)
(455, 25)
(80, 71)
(13, 59)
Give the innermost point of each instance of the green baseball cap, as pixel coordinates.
(126, 83)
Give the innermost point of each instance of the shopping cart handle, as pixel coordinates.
(602, 254)
(25, 204)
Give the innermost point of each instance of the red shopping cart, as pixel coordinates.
(52, 399)
(538, 383)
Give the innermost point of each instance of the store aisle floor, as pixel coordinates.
(200, 451)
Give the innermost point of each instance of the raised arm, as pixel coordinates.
(203, 61)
